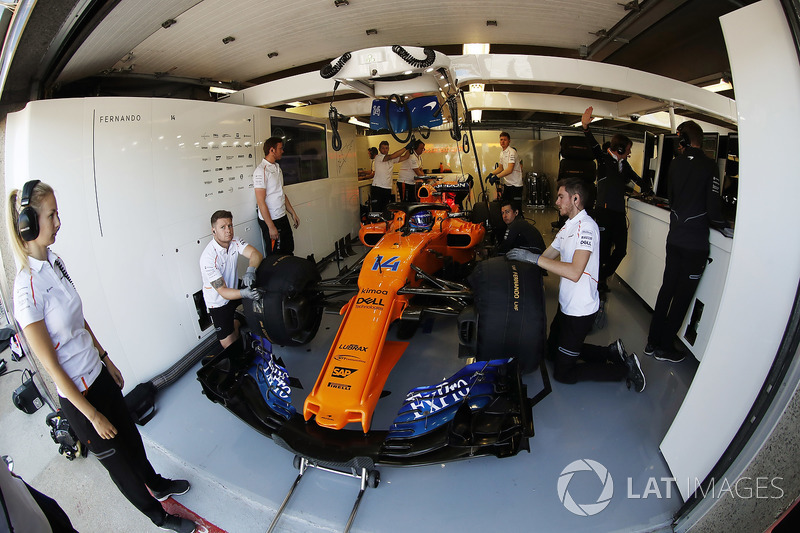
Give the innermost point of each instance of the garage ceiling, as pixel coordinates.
(177, 48)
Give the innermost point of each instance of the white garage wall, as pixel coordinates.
(137, 181)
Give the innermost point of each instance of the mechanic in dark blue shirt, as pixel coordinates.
(519, 233)
(614, 174)
(693, 190)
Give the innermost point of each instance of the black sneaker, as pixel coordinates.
(176, 523)
(635, 374)
(669, 356)
(175, 487)
(618, 350)
(649, 350)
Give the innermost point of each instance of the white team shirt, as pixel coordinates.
(407, 174)
(383, 171)
(509, 155)
(217, 262)
(580, 233)
(45, 293)
(269, 176)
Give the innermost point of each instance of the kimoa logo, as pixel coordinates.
(585, 509)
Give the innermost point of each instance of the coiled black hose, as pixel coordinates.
(424, 132)
(455, 131)
(403, 107)
(430, 56)
(330, 70)
(333, 118)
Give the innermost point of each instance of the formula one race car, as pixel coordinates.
(420, 263)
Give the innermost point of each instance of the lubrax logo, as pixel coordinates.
(354, 347)
(369, 301)
(342, 372)
(340, 386)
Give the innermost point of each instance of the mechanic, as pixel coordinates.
(519, 233)
(693, 191)
(218, 265)
(380, 191)
(50, 314)
(272, 203)
(578, 299)
(372, 151)
(614, 174)
(410, 172)
(509, 169)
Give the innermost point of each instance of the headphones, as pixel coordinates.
(620, 149)
(683, 139)
(28, 219)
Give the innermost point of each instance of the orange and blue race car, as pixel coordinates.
(421, 262)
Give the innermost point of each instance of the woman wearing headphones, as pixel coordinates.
(50, 314)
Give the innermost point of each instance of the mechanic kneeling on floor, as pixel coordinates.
(519, 233)
(218, 268)
(578, 299)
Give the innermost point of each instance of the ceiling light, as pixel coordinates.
(297, 104)
(341, 3)
(476, 115)
(220, 90)
(476, 87)
(372, 31)
(429, 69)
(407, 72)
(476, 48)
(228, 39)
(720, 86)
(354, 120)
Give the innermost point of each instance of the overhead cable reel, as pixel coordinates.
(392, 72)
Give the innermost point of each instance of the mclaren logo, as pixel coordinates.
(342, 372)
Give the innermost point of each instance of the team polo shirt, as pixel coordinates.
(269, 176)
(407, 174)
(383, 171)
(579, 233)
(507, 156)
(43, 292)
(217, 262)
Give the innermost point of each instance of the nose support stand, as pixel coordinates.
(367, 477)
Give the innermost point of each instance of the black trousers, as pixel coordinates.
(123, 456)
(613, 240)
(407, 192)
(285, 242)
(574, 359)
(682, 273)
(513, 194)
(379, 198)
(56, 517)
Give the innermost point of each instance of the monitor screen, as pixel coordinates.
(305, 156)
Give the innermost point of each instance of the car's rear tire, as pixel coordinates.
(511, 321)
(288, 314)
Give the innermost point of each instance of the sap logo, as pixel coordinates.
(354, 347)
(342, 372)
(370, 301)
(393, 263)
(341, 386)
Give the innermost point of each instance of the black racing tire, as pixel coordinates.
(480, 213)
(288, 313)
(512, 322)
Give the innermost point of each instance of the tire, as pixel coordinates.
(373, 479)
(575, 147)
(509, 299)
(288, 314)
(480, 213)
